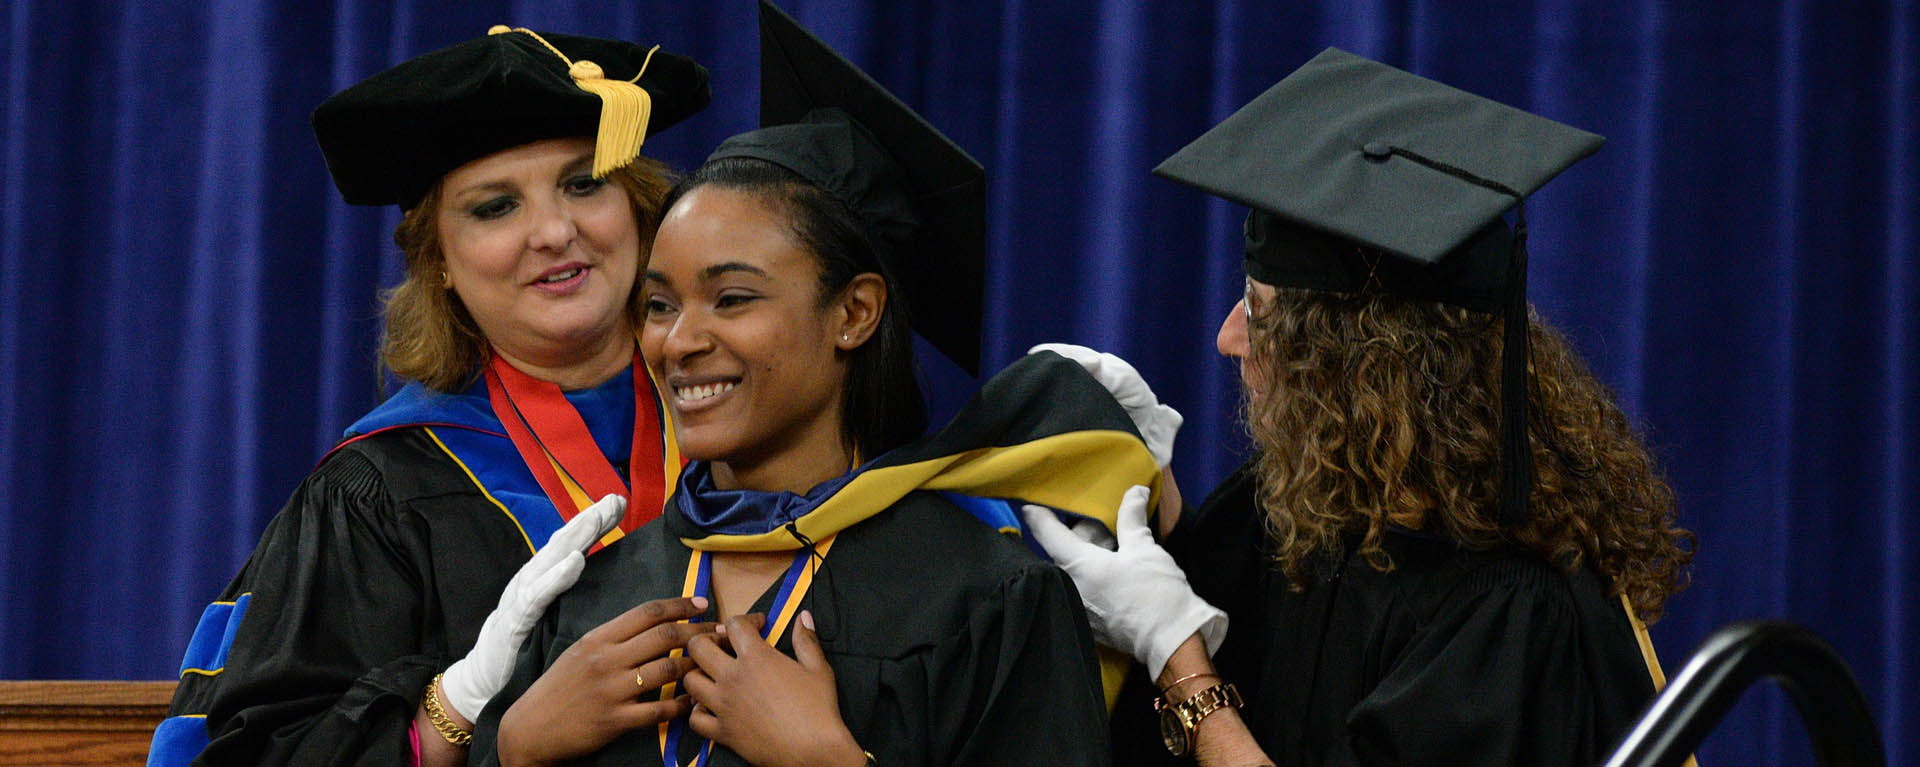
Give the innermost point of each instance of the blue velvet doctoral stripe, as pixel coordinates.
(213, 637)
(177, 741)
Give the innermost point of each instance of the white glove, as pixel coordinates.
(1091, 531)
(1137, 599)
(471, 681)
(1156, 423)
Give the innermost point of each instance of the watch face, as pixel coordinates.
(1173, 732)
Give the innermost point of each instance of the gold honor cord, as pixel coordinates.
(1647, 654)
(625, 107)
(793, 588)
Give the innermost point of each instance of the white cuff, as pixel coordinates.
(1198, 618)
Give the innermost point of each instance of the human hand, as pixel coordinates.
(1168, 515)
(1137, 598)
(769, 708)
(471, 681)
(1157, 423)
(604, 685)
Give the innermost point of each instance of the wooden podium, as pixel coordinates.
(79, 724)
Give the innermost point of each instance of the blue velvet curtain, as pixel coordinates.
(187, 311)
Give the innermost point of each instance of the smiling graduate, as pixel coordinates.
(869, 616)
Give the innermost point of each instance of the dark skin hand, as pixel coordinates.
(769, 708)
(591, 694)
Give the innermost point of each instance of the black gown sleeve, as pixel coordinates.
(1027, 691)
(328, 662)
(535, 657)
(1221, 548)
(1508, 675)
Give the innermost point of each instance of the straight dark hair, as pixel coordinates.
(884, 407)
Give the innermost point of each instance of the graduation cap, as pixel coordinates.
(920, 196)
(1365, 178)
(391, 137)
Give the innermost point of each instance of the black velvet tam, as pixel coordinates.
(389, 138)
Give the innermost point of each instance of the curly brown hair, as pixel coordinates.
(1375, 410)
(429, 335)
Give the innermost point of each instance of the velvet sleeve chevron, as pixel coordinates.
(374, 577)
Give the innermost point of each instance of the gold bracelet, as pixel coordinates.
(438, 715)
(1187, 678)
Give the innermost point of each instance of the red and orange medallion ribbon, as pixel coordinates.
(557, 447)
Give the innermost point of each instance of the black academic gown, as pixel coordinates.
(376, 576)
(1454, 657)
(951, 643)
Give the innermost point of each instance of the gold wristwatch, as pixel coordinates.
(1178, 720)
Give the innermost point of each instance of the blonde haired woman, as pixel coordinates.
(384, 603)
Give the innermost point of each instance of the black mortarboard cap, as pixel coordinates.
(1363, 177)
(921, 197)
(389, 138)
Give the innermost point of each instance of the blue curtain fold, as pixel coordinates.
(188, 314)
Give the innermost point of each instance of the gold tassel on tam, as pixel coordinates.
(625, 107)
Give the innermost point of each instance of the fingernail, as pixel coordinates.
(806, 619)
(700, 603)
(719, 628)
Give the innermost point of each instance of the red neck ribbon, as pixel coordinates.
(558, 449)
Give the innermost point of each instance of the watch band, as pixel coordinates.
(1180, 719)
(1209, 700)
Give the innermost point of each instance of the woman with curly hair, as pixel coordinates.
(1400, 588)
(1418, 382)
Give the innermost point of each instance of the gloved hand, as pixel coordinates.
(471, 681)
(1137, 599)
(1156, 423)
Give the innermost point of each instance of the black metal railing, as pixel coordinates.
(1730, 661)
